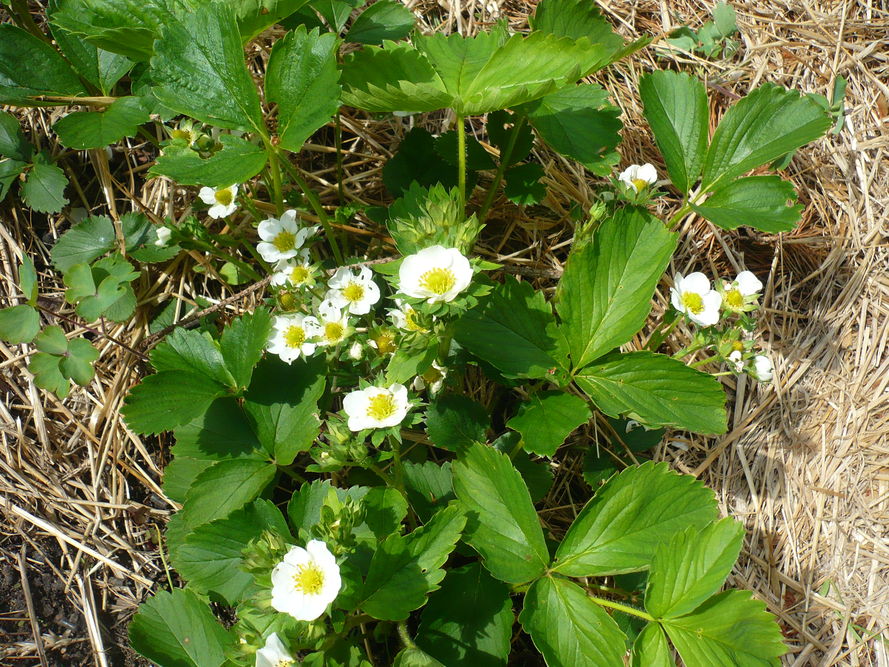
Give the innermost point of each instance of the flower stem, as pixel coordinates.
(677, 217)
(625, 608)
(275, 173)
(405, 637)
(505, 156)
(461, 162)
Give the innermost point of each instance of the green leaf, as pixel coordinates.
(254, 16)
(620, 528)
(52, 340)
(30, 67)
(756, 201)
(405, 569)
(301, 79)
(605, 292)
(44, 187)
(211, 556)
(12, 141)
(523, 186)
(729, 629)
(225, 487)
(191, 351)
(656, 390)
(512, 329)
(576, 19)
(78, 364)
(691, 567)
(83, 243)
(236, 162)
(469, 621)
(97, 129)
(177, 629)
(502, 523)
(414, 657)
(676, 109)
(579, 123)
(283, 405)
(417, 161)
(243, 342)
(10, 170)
(28, 279)
(383, 20)
(19, 324)
(198, 69)
(429, 487)
(477, 158)
(547, 418)
(101, 68)
(454, 422)
(501, 126)
(568, 628)
(651, 649)
(47, 373)
(97, 289)
(336, 12)
(766, 124)
(163, 401)
(724, 19)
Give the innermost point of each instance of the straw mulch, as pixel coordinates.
(805, 464)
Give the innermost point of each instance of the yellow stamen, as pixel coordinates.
(639, 184)
(381, 407)
(438, 281)
(309, 579)
(333, 332)
(385, 343)
(223, 197)
(284, 241)
(734, 299)
(354, 292)
(295, 336)
(410, 320)
(299, 274)
(693, 302)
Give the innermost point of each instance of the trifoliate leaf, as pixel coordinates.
(577, 19)
(656, 390)
(236, 162)
(547, 418)
(301, 78)
(97, 129)
(568, 628)
(12, 141)
(19, 324)
(756, 201)
(523, 186)
(78, 363)
(383, 20)
(620, 529)
(47, 374)
(31, 68)
(44, 187)
(97, 288)
(503, 525)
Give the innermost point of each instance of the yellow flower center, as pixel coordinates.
(223, 197)
(284, 662)
(639, 184)
(385, 343)
(693, 302)
(299, 274)
(285, 241)
(333, 332)
(381, 406)
(738, 346)
(438, 281)
(734, 299)
(182, 134)
(410, 320)
(309, 579)
(294, 336)
(353, 292)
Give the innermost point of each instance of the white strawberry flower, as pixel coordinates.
(222, 201)
(376, 407)
(163, 236)
(356, 292)
(435, 273)
(740, 292)
(274, 653)
(334, 324)
(639, 176)
(296, 271)
(306, 581)
(433, 379)
(763, 368)
(404, 317)
(694, 296)
(736, 359)
(294, 336)
(282, 238)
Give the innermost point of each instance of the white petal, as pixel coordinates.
(647, 173)
(748, 283)
(268, 229)
(628, 175)
(763, 368)
(355, 403)
(676, 300)
(695, 282)
(207, 195)
(710, 315)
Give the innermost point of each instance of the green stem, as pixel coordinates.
(505, 156)
(657, 337)
(686, 208)
(397, 464)
(275, 172)
(338, 142)
(706, 360)
(213, 250)
(461, 162)
(685, 351)
(625, 608)
(315, 202)
(405, 637)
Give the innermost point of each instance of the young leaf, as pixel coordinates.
(766, 124)
(97, 129)
(691, 567)
(242, 344)
(605, 292)
(198, 69)
(651, 649)
(502, 523)
(44, 187)
(578, 122)
(469, 621)
(30, 68)
(236, 162)
(283, 404)
(620, 529)
(677, 111)
(455, 422)
(729, 629)
(405, 569)
(301, 79)
(19, 324)
(210, 558)
(383, 20)
(512, 329)
(568, 628)
(656, 390)
(547, 419)
(225, 487)
(12, 141)
(756, 201)
(178, 629)
(523, 186)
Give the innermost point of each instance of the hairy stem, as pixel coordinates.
(505, 156)
(275, 173)
(627, 609)
(405, 637)
(461, 162)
